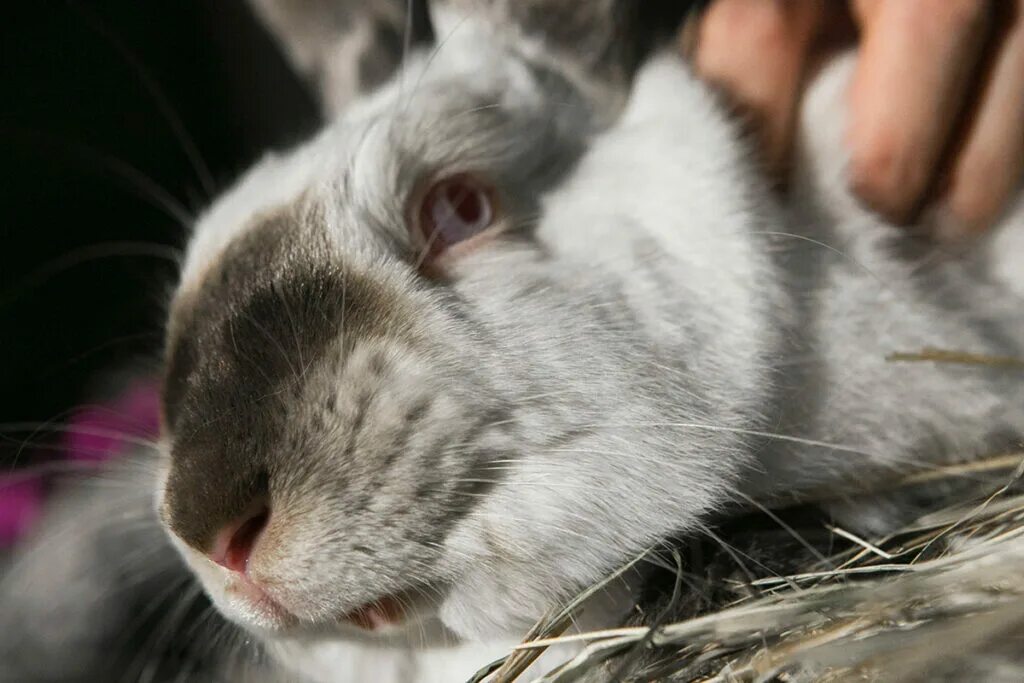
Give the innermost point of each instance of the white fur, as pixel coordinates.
(695, 242)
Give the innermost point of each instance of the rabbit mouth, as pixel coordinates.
(259, 606)
(379, 614)
(394, 610)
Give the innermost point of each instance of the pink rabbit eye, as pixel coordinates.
(453, 210)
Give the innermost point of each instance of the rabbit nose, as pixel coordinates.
(234, 543)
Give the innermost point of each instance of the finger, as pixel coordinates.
(756, 50)
(986, 170)
(913, 72)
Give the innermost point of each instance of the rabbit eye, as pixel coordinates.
(453, 210)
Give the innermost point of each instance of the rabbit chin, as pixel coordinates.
(502, 595)
(485, 611)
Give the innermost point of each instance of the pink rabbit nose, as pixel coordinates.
(233, 545)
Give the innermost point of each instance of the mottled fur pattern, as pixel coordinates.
(650, 341)
(613, 369)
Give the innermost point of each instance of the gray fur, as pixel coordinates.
(344, 47)
(98, 595)
(617, 365)
(650, 340)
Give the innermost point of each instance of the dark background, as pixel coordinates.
(91, 162)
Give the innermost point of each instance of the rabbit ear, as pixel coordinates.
(592, 37)
(348, 47)
(598, 44)
(344, 47)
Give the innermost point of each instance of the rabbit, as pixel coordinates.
(471, 349)
(500, 327)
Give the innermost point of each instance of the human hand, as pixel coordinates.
(936, 102)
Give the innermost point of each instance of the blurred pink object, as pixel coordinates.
(100, 432)
(21, 503)
(94, 434)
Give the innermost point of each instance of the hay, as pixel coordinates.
(941, 597)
